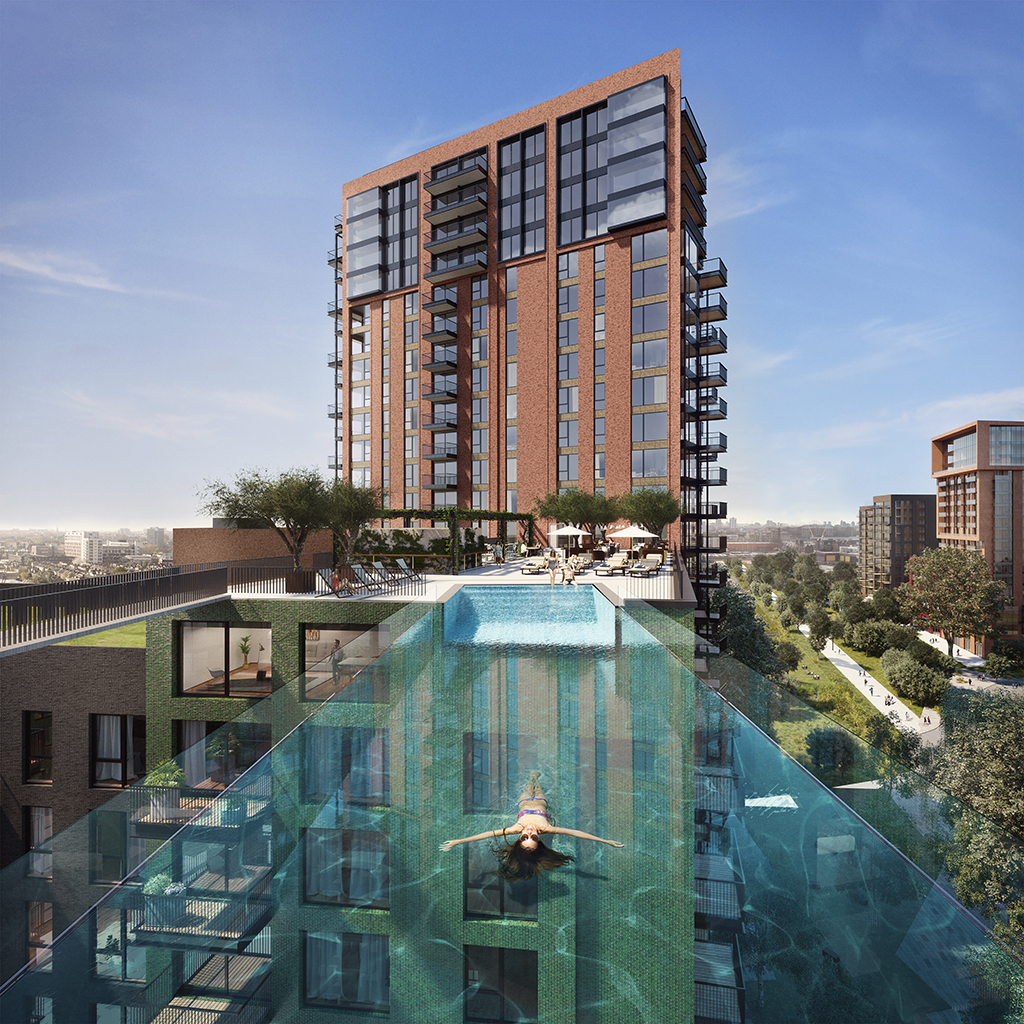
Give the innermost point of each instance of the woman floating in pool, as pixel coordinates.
(526, 855)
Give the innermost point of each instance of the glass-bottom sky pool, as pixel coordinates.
(314, 890)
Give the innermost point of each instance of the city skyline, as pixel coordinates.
(172, 173)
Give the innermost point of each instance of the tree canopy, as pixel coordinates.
(582, 509)
(649, 508)
(351, 509)
(293, 503)
(744, 637)
(951, 590)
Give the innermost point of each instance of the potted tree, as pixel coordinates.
(163, 901)
(165, 782)
(245, 645)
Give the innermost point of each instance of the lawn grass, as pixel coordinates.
(131, 635)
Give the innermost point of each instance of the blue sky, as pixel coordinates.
(170, 173)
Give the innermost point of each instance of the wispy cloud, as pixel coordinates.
(57, 267)
(876, 345)
(925, 420)
(195, 415)
(740, 189)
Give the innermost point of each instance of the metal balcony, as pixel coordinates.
(715, 476)
(443, 421)
(439, 337)
(463, 203)
(708, 510)
(441, 307)
(334, 310)
(712, 274)
(439, 452)
(334, 259)
(466, 172)
(713, 307)
(694, 196)
(694, 127)
(440, 360)
(334, 359)
(713, 341)
(716, 443)
(714, 375)
(334, 463)
(460, 266)
(439, 393)
(335, 411)
(441, 481)
(711, 407)
(472, 235)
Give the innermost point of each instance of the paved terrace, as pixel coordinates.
(670, 584)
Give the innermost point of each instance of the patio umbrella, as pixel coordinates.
(569, 531)
(632, 532)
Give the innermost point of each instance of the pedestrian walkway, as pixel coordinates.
(876, 694)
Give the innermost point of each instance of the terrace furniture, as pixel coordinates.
(410, 573)
(361, 575)
(387, 574)
(534, 565)
(339, 587)
(647, 567)
(617, 563)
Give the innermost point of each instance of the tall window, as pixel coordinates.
(38, 746)
(40, 934)
(119, 749)
(347, 867)
(39, 830)
(225, 659)
(521, 194)
(347, 970)
(501, 984)
(381, 239)
(583, 175)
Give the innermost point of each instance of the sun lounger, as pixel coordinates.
(345, 587)
(365, 579)
(647, 567)
(534, 565)
(617, 563)
(409, 572)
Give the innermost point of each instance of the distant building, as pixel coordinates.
(157, 536)
(84, 545)
(892, 529)
(979, 472)
(118, 550)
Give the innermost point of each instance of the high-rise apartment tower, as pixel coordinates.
(979, 473)
(530, 307)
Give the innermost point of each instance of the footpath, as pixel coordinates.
(929, 724)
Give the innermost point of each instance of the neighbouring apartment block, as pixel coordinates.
(979, 473)
(554, 313)
(85, 545)
(892, 528)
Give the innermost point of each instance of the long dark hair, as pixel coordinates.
(516, 864)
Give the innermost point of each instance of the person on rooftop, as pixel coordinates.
(527, 855)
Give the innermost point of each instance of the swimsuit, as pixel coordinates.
(543, 814)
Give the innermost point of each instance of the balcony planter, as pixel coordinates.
(299, 581)
(164, 903)
(165, 783)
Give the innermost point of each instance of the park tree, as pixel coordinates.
(912, 680)
(831, 750)
(735, 566)
(652, 509)
(884, 606)
(292, 503)
(789, 654)
(844, 572)
(350, 510)
(982, 764)
(744, 637)
(896, 752)
(582, 509)
(951, 590)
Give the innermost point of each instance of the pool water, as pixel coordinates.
(744, 892)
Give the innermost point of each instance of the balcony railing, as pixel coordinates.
(441, 358)
(456, 235)
(451, 205)
(334, 309)
(334, 359)
(468, 171)
(438, 452)
(713, 307)
(335, 463)
(713, 274)
(458, 265)
(440, 481)
(439, 392)
(715, 476)
(335, 411)
(713, 340)
(442, 421)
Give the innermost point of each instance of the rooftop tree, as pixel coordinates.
(951, 590)
(293, 503)
(652, 509)
(350, 510)
(582, 509)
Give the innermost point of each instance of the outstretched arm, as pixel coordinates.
(585, 835)
(448, 844)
